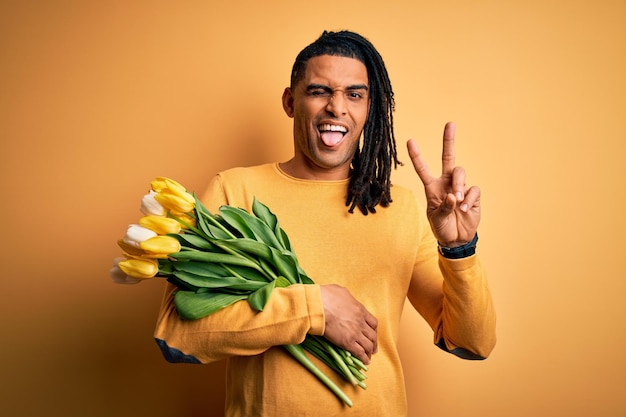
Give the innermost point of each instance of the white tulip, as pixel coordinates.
(149, 205)
(135, 234)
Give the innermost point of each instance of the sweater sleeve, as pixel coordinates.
(239, 330)
(467, 324)
(453, 296)
(288, 316)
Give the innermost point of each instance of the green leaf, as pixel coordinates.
(259, 229)
(217, 283)
(305, 279)
(250, 247)
(205, 269)
(282, 282)
(268, 268)
(264, 213)
(284, 262)
(202, 223)
(181, 285)
(193, 306)
(193, 240)
(219, 232)
(209, 223)
(282, 237)
(259, 298)
(285, 266)
(238, 219)
(224, 258)
(248, 273)
(166, 266)
(200, 207)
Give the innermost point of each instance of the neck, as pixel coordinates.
(307, 172)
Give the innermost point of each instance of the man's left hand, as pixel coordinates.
(453, 209)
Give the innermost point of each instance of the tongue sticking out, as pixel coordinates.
(331, 138)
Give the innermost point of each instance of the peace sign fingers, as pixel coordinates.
(447, 157)
(453, 209)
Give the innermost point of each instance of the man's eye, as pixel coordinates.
(319, 93)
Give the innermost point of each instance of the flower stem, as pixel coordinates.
(298, 352)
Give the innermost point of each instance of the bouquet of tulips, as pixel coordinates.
(216, 260)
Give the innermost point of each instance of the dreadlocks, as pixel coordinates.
(370, 182)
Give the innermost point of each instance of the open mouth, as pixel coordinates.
(331, 135)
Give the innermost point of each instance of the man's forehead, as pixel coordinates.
(337, 69)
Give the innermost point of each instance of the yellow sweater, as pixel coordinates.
(381, 258)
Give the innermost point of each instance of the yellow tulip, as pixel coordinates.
(130, 249)
(139, 268)
(161, 183)
(172, 195)
(173, 201)
(118, 276)
(160, 225)
(160, 246)
(158, 184)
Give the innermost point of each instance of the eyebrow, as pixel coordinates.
(328, 89)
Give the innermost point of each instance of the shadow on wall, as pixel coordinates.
(141, 375)
(129, 363)
(92, 351)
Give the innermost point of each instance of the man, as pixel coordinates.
(364, 264)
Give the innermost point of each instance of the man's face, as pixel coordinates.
(329, 107)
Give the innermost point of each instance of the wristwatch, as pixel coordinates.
(459, 252)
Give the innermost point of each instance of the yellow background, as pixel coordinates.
(99, 97)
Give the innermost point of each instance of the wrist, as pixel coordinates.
(458, 252)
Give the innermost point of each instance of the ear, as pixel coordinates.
(288, 102)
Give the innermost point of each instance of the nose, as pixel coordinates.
(337, 104)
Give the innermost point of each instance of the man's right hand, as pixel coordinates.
(348, 323)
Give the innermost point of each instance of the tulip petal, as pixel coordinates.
(139, 268)
(160, 225)
(175, 186)
(135, 234)
(129, 249)
(161, 245)
(174, 202)
(149, 205)
(158, 184)
(119, 277)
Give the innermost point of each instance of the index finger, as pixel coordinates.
(447, 155)
(418, 163)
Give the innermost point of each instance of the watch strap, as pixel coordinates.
(459, 252)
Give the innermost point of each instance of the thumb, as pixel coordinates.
(440, 216)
